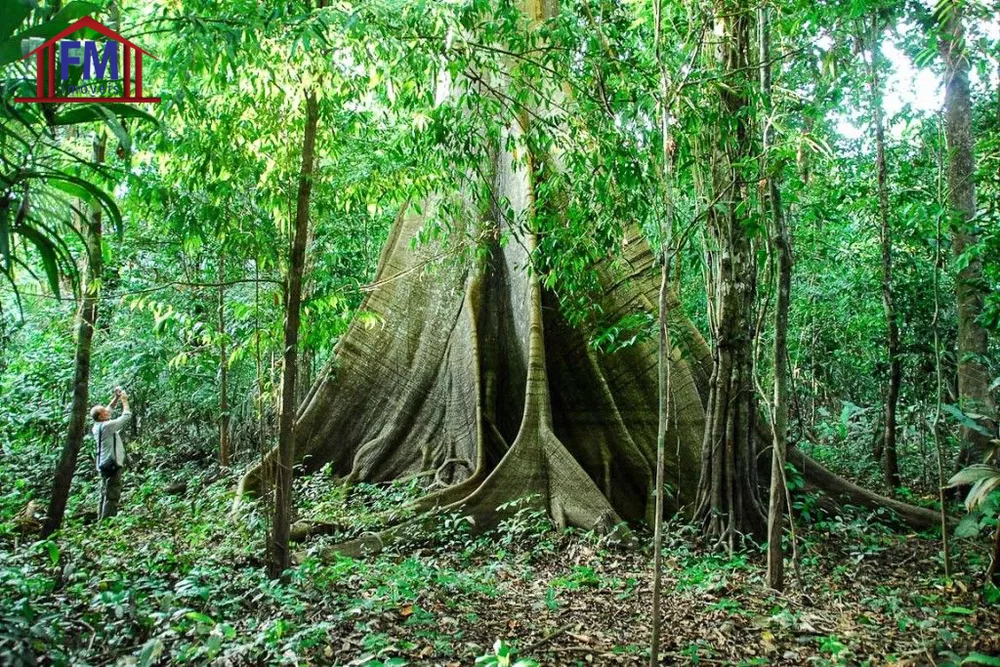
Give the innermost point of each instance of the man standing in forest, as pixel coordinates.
(110, 450)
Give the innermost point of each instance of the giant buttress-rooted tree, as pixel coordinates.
(475, 382)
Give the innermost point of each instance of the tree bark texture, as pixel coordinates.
(887, 451)
(973, 374)
(86, 321)
(280, 556)
(728, 492)
(223, 369)
(783, 251)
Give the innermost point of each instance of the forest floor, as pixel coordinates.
(176, 579)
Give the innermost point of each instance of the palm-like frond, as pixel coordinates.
(45, 188)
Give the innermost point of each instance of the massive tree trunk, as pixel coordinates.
(476, 385)
(728, 495)
(443, 391)
(973, 374)
(86, 320)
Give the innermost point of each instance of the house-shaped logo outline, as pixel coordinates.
(45, 56)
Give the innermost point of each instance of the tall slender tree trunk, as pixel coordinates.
(728, 499)
(939, 376)
(258, 359)
(223, 368)
(889, 456)
(663, 364)
(86, 321)
(805, 173)
(993, 571)
(280, 557)
(973, 374)
(663, 351)
(783, 251)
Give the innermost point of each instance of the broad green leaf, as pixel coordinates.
(981, 491)
(965, 420)
(960, 611)
(968, 526)
(973, 474)
(58, 178)
(199, 617)
(10, 49)
(117, 128)
(48, 254)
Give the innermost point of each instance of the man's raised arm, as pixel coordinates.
(126, 415)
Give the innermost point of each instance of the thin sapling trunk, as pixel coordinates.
(280, 558)
(782, 246)
(889, 455)
(663, 351)
(223, 368)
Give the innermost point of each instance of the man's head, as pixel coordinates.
(99, 413)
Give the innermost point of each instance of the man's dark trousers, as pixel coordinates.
(111, 492)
